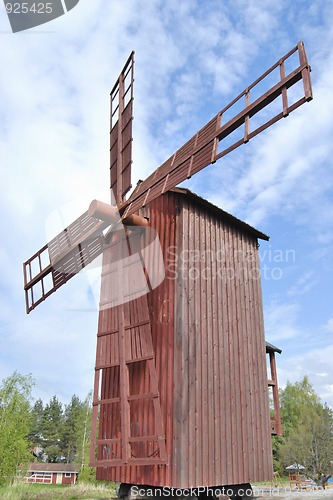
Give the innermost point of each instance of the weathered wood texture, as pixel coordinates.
(208, 340)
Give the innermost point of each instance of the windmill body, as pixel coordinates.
(209, 399)
(181, 386)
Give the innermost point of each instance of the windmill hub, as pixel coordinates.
(103, 211)
(109, 213)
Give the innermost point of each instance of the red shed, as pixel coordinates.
(181, 393)
(40, 472)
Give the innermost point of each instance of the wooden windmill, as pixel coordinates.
(180, 396)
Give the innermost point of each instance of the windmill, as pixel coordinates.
(150, 406)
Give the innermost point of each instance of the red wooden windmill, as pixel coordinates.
(181, 389)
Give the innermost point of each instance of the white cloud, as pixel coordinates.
(304, 284)
(281, 321)
(316, 364)
(329, 326)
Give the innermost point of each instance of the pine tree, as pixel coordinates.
(36, 431)
(52, 424)
(71, 430)
(76, 431)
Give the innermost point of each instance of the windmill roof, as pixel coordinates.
(220, 212)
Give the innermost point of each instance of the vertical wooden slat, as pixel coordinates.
(305, 72)
(124, 387)
(94, 417)
(247, 118)
(264, 445)
(249, 250)
(239, 283)
(216, 458)
(284, 90)
(277, 413)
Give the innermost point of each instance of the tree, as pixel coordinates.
(36, 431)
(87, 473)
(62, 435)
(308, 431)
(74, 414)
(15, 424)
(51, 425)
(297, 400)
(77, 423)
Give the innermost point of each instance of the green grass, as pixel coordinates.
(24, 491)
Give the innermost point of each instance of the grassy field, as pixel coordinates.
(22, 491)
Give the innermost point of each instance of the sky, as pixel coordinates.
(192, 58)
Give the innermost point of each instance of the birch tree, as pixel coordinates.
(15, 424)
(308, 431)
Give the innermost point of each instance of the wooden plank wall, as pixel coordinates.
(221, 425)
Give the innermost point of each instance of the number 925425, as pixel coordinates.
(25, 8)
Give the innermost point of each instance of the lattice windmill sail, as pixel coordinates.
(128, 411)
(121, 111)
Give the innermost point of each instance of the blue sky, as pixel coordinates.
(192, 58)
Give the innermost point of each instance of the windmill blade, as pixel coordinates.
(62, 258)
(80, 243)
(203, 148)
(121, 116)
